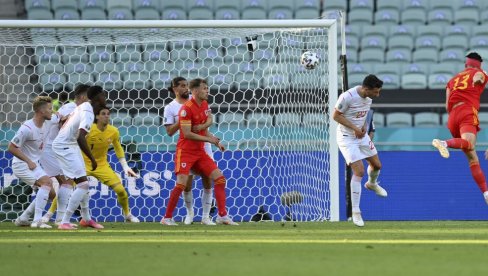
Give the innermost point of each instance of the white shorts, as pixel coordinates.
(354, 149)
(208, 150)
(70, 160)
(22, 171)
(49, 162)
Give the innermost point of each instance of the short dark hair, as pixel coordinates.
(94, 91)
(372, 81)
(175, 82)
(196, 83)
(98, 110)
(475, 56)
(81, 89)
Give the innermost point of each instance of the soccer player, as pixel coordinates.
(350, 112)
(190, 153)
(179, 86)
(463, 94)
(99, 139)
(67, 145)
(49, 161)
(26, 147)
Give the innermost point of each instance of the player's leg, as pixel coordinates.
(45, 186)
(65, 188)
(207, 200)
(188, 199)
(374, 167)
(474, 165)
(357, 168)
(22, 172)
(181, 180)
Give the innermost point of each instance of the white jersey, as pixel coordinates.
(81, 118)
(354, 108)
(64, 111)
(30, 139)
(171, 116)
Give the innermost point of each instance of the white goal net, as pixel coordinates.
(270, 112)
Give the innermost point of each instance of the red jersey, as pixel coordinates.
(192, 114)
(463, 89)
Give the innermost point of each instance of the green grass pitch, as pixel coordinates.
(251, 249)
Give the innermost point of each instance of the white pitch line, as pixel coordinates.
(247, 241)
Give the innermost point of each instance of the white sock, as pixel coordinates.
(206, 202)
(85, 207)
(41, 201)
(64, 193)
(75, 200)
(188, 198)
(26, 215)
(372, 175)
(355, 193)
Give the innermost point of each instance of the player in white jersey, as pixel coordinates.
(26, 147)
(67, 145)
(350, 112)
(179, 86)
(49, 161)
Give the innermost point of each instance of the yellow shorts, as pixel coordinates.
(105, 174)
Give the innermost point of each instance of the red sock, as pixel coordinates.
(173, 199)
(459, 143)
(219, 189)
(478, 176)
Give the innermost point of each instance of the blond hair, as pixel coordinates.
(40, 101)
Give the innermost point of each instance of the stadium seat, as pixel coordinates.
(360, 17)
(361, 5)
(112, 4)
(375, 42)
(183, 54)
(109, 81)
(37, 4)
(455, 42)
(276, 81)
(467, 17)
(227, 14)
(402, 31)
(362, 69)
(355, 80)
(222, 82)
(57, 4)
(387, 17)
(100, 67)
(75, 78)
(440, 17)
(66, 14)
(413, 17)
(135, 80)
(259, 120)
(254, 13)
(399, 56)
(245, 81)
(280, 13)
(479, 42)
(426, 55)
(387, 68)
(47, 54)
(389, 4)
(426, 119)
(457, 30)
(231, 120)
(120, 118)
(378, 119)
(83, 4)
(415, 68)
(288, 119)
(75, 55)
(390, 81)
(398, 119)
(93, 14)
(52, 82)
(416, 5)
(414, 81)
(174, 14)
(353, 31)
(155, 55)
(143, 4)
(443, 68)
(483, 18)
(200, 13)
(452, 55)
(428, 41)
(307, 13)
(312, 119)
(160, 79)
(147, 14)
(330, 5)
(444, 118)
(228, 4)
(400, 43)
(120, 14)
(438, 81)
(49, 68)
(147, 119)
(80, 67)
(372, 55)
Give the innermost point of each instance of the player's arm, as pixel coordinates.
(119, 152)
(85, 149)
(14, 148)
(478, 78)
(448, 94)
(170, 123)
(339, 118)
(205, 125)
(172, 129)
(219, 145)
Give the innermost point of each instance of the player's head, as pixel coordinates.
(179, 86)
(372, 86)
(473, 60)
(102, 115)
(80, 93)
(96, 95)
(43, 107)
(199, 88)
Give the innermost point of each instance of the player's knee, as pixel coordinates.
(45, 182)
(359, 173)
(220, 180)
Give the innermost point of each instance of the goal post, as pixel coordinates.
(274, 116)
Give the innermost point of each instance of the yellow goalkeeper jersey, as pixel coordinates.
(99, 143)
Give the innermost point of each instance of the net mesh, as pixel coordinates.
(270, 112)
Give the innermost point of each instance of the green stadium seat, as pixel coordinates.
(85, 4)
(102, 54)
(415, 17)
(307, 13)
(76, 78)
(455, 42)
(360, 17)
(99, 67)
(120, 118)
(49, 68)
(155, 55)
(378, 119)
(443, 68)
(160, 79)
(314, 119)
(74, 54)
(113, 4)
(130, 67)
(280, 13)
(372, 55)
(144, 4)
(37, 5)
(430, 30)
(94, 13)
(438, 81)
(276, 81)
(52, 82)
(227, 4)
(227, 14)
(353, 31)
(389, 4)
(314, 4)
(262, 4)
(183, 54)
(390, 81)
(467, 17)
(148, 13)
(109, 81)
(66, 14)
(415, 5)
(47, 54)
(254, 13)
(415, 68)
(479, 42)
(220, 81)
(480, 30)
(78, 68)
(443, 4)
(427, 55)
(373, 42)
(458, 30)
(387, 68)
(414, 81)
(362, 69)
(387, 17)
(375, 30)
(440, 17)
(120, 13)
(147, 119)
(452, 55)
(245, 81)
(400, 43)
(398, 119)
(135, 80)
(200, 13)
(57, 4)
(426, 119)
(328, 5)
(483, 17)
(356, 79)
(181, 44)
(231, 120)
(428, 42)
(174, 14)
(367, 5)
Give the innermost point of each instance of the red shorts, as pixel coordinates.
(198, 161)
(462, 119)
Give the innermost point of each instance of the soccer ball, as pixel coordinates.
(309, 60)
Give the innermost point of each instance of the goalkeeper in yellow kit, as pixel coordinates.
(99, 139)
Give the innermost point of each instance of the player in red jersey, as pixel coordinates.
(191, 155)
(463, 94)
